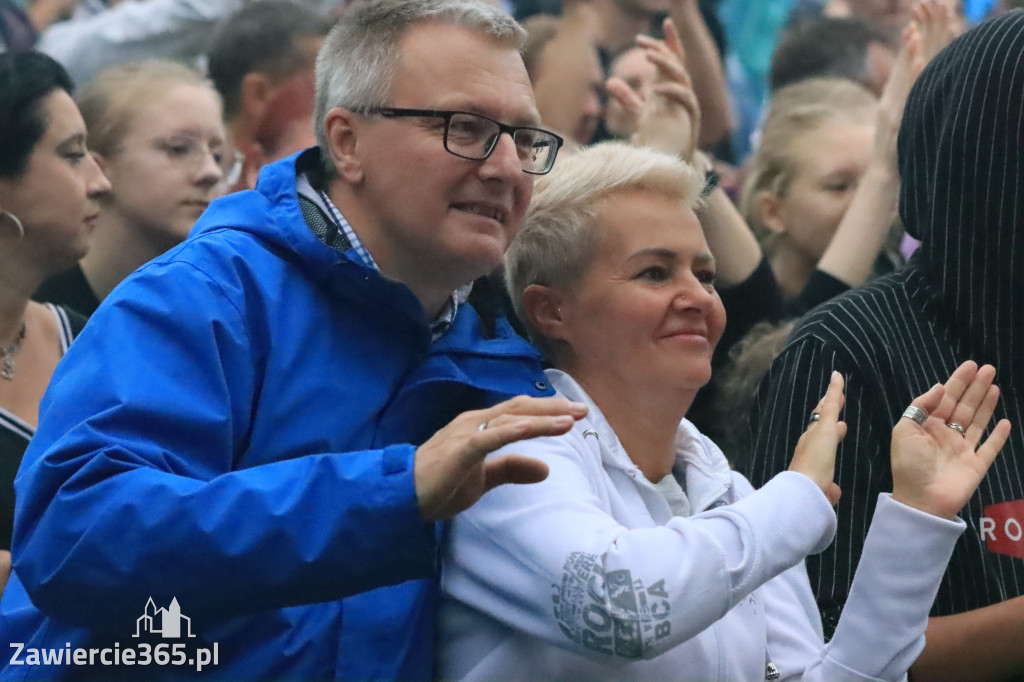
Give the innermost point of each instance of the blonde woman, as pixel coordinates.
(815, 149)
(157, 131)
(823, 181)
(642, 555)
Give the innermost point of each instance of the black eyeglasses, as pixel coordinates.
(474, 136)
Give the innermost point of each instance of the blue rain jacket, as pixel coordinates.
(235, 429)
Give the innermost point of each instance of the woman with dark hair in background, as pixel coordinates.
(49, 185)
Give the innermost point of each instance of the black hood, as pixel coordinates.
(961, 159)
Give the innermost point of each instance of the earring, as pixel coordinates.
(17, 223)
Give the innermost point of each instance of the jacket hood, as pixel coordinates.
(272, 213)
(961, 160)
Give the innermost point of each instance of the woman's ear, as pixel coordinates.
(769, 208)
(543, 307)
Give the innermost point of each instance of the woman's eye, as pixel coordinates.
(838, 187)
(177, 148)
(654, 274)
(74, 158)
(706, 277)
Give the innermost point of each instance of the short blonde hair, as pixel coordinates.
(559, 237)
(112, 100)
(794, 111)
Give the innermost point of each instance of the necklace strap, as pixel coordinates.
(7, 354)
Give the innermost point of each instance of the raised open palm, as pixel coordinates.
(935, 466)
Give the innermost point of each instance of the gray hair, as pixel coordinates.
(357, 63)
(559, 237)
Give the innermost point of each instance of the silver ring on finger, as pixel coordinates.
(958, 428)
(916, 414)
(815, 416)
(482, 426)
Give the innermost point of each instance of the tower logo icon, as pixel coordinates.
(165, 622)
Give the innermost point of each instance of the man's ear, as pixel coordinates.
(769, 208)
(340, 125)
(254, 94)
(543, 307)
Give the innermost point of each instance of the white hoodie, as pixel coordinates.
(589, 576)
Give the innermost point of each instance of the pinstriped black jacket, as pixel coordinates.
(961, 297)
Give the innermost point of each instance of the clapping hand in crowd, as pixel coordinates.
(938, 458)
(860, 235)
(938, 463)
(669, 119)
(930, 30)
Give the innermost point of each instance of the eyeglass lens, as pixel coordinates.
(474, 137)
(193, 152)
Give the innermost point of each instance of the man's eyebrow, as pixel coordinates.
(532, 120)
(527, 120)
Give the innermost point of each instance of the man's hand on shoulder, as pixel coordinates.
(451, 474)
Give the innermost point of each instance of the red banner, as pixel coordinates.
(1002, 528)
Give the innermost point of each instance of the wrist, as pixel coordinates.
(921, 505)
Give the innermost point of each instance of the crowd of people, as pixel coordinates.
(386, 339)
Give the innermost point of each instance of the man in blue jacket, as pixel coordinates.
(249, 444)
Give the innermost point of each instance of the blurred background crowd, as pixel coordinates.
(791, 107)
(122, 120)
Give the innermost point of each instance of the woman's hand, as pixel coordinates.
(923, 38)
(935, 467)
(893, 100)
(937, 23)
(815, 454)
